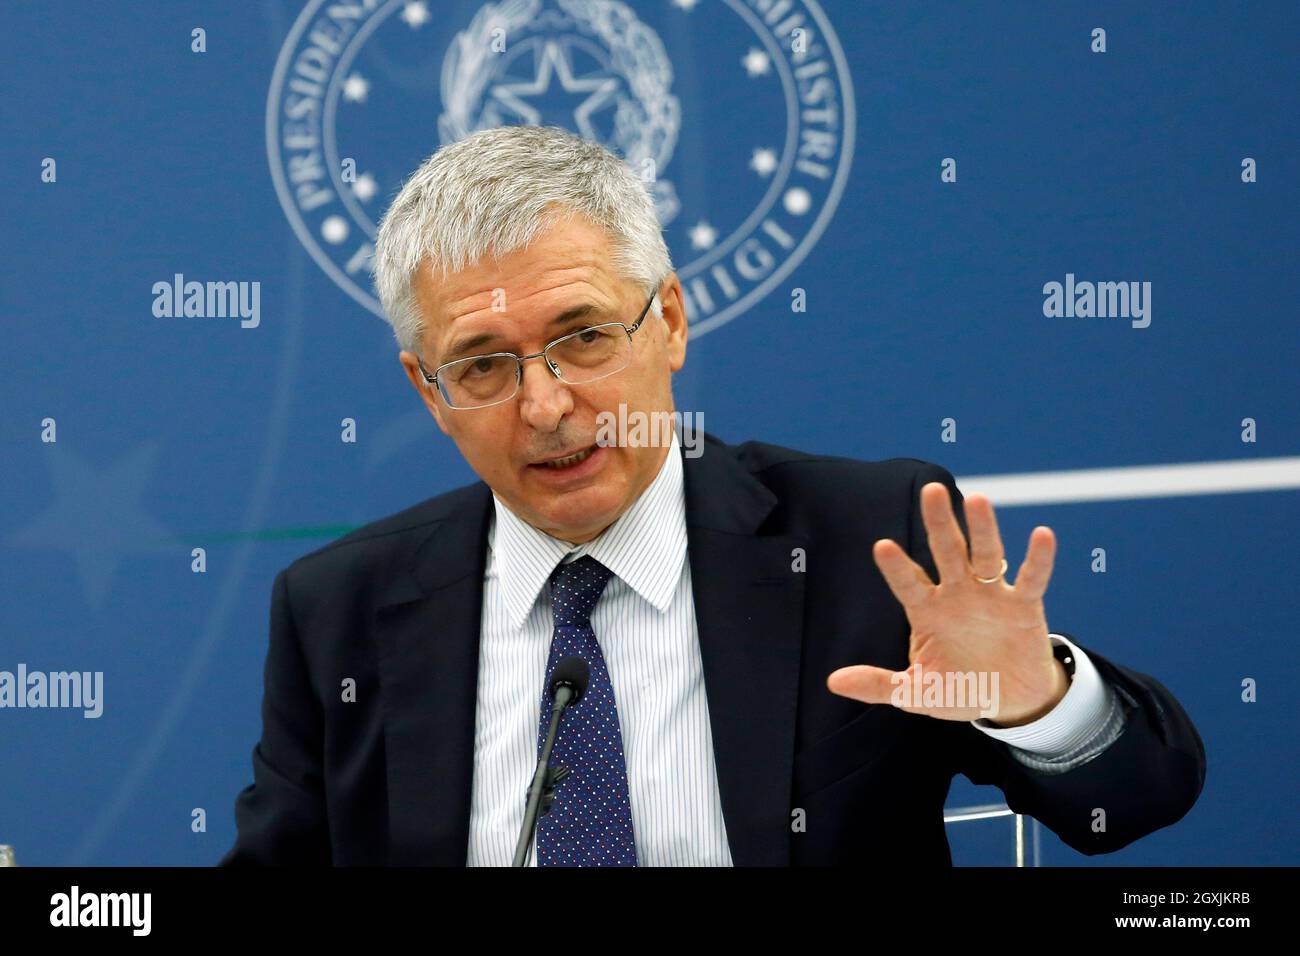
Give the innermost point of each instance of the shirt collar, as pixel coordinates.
(645, 547)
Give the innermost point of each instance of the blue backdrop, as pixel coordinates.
(913, 174)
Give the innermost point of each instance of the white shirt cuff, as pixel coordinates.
(1077, 716)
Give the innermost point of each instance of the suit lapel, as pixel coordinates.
(749, 610)
(427, 641)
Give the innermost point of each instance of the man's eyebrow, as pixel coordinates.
(469, 344)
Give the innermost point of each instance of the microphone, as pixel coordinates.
(568, 683)
(572, 674)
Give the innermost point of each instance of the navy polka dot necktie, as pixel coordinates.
(590, 823)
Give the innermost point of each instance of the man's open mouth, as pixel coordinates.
(569, 462)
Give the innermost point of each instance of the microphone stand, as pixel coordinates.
(541, 792)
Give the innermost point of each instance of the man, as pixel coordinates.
(759, 622)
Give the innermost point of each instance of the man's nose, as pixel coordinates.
(543, 399)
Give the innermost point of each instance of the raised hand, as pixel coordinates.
(966, 630)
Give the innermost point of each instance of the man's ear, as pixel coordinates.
(675, 323)
(425, 389)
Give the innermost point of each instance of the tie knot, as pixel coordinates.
(575, 588)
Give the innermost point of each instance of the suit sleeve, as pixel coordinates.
(280, 817)
(1147, 779)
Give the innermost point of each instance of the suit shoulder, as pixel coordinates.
(834, 494)
(790, 465)
(379, 539)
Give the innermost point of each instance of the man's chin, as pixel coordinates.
(582, 513)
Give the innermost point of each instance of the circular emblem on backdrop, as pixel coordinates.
(741, 124)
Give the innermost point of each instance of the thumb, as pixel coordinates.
(871, 685)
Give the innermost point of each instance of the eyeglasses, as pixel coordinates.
(578, 358)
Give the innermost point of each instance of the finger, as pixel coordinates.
(907, 579)
(1036, 571)
(947, 543)
(986, 550)
(871, 685)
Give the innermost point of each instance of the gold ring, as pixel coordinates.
(995, 577)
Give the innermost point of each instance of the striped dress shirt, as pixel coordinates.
(645, 623)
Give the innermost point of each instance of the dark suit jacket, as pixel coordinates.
(395, 606)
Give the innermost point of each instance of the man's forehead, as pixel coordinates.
(566, 251)
(464, 293)
(473, 294)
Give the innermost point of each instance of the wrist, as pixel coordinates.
(1060, 687)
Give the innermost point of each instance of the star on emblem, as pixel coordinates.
(355, 88)
(763, 162)
(703, 236)
(756, 62)
(415, 14)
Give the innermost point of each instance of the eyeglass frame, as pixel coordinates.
(521, 359)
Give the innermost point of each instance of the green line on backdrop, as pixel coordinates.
(268, 534)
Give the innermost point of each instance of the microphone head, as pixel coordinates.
(572, 672)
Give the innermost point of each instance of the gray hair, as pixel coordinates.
(491, 192)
